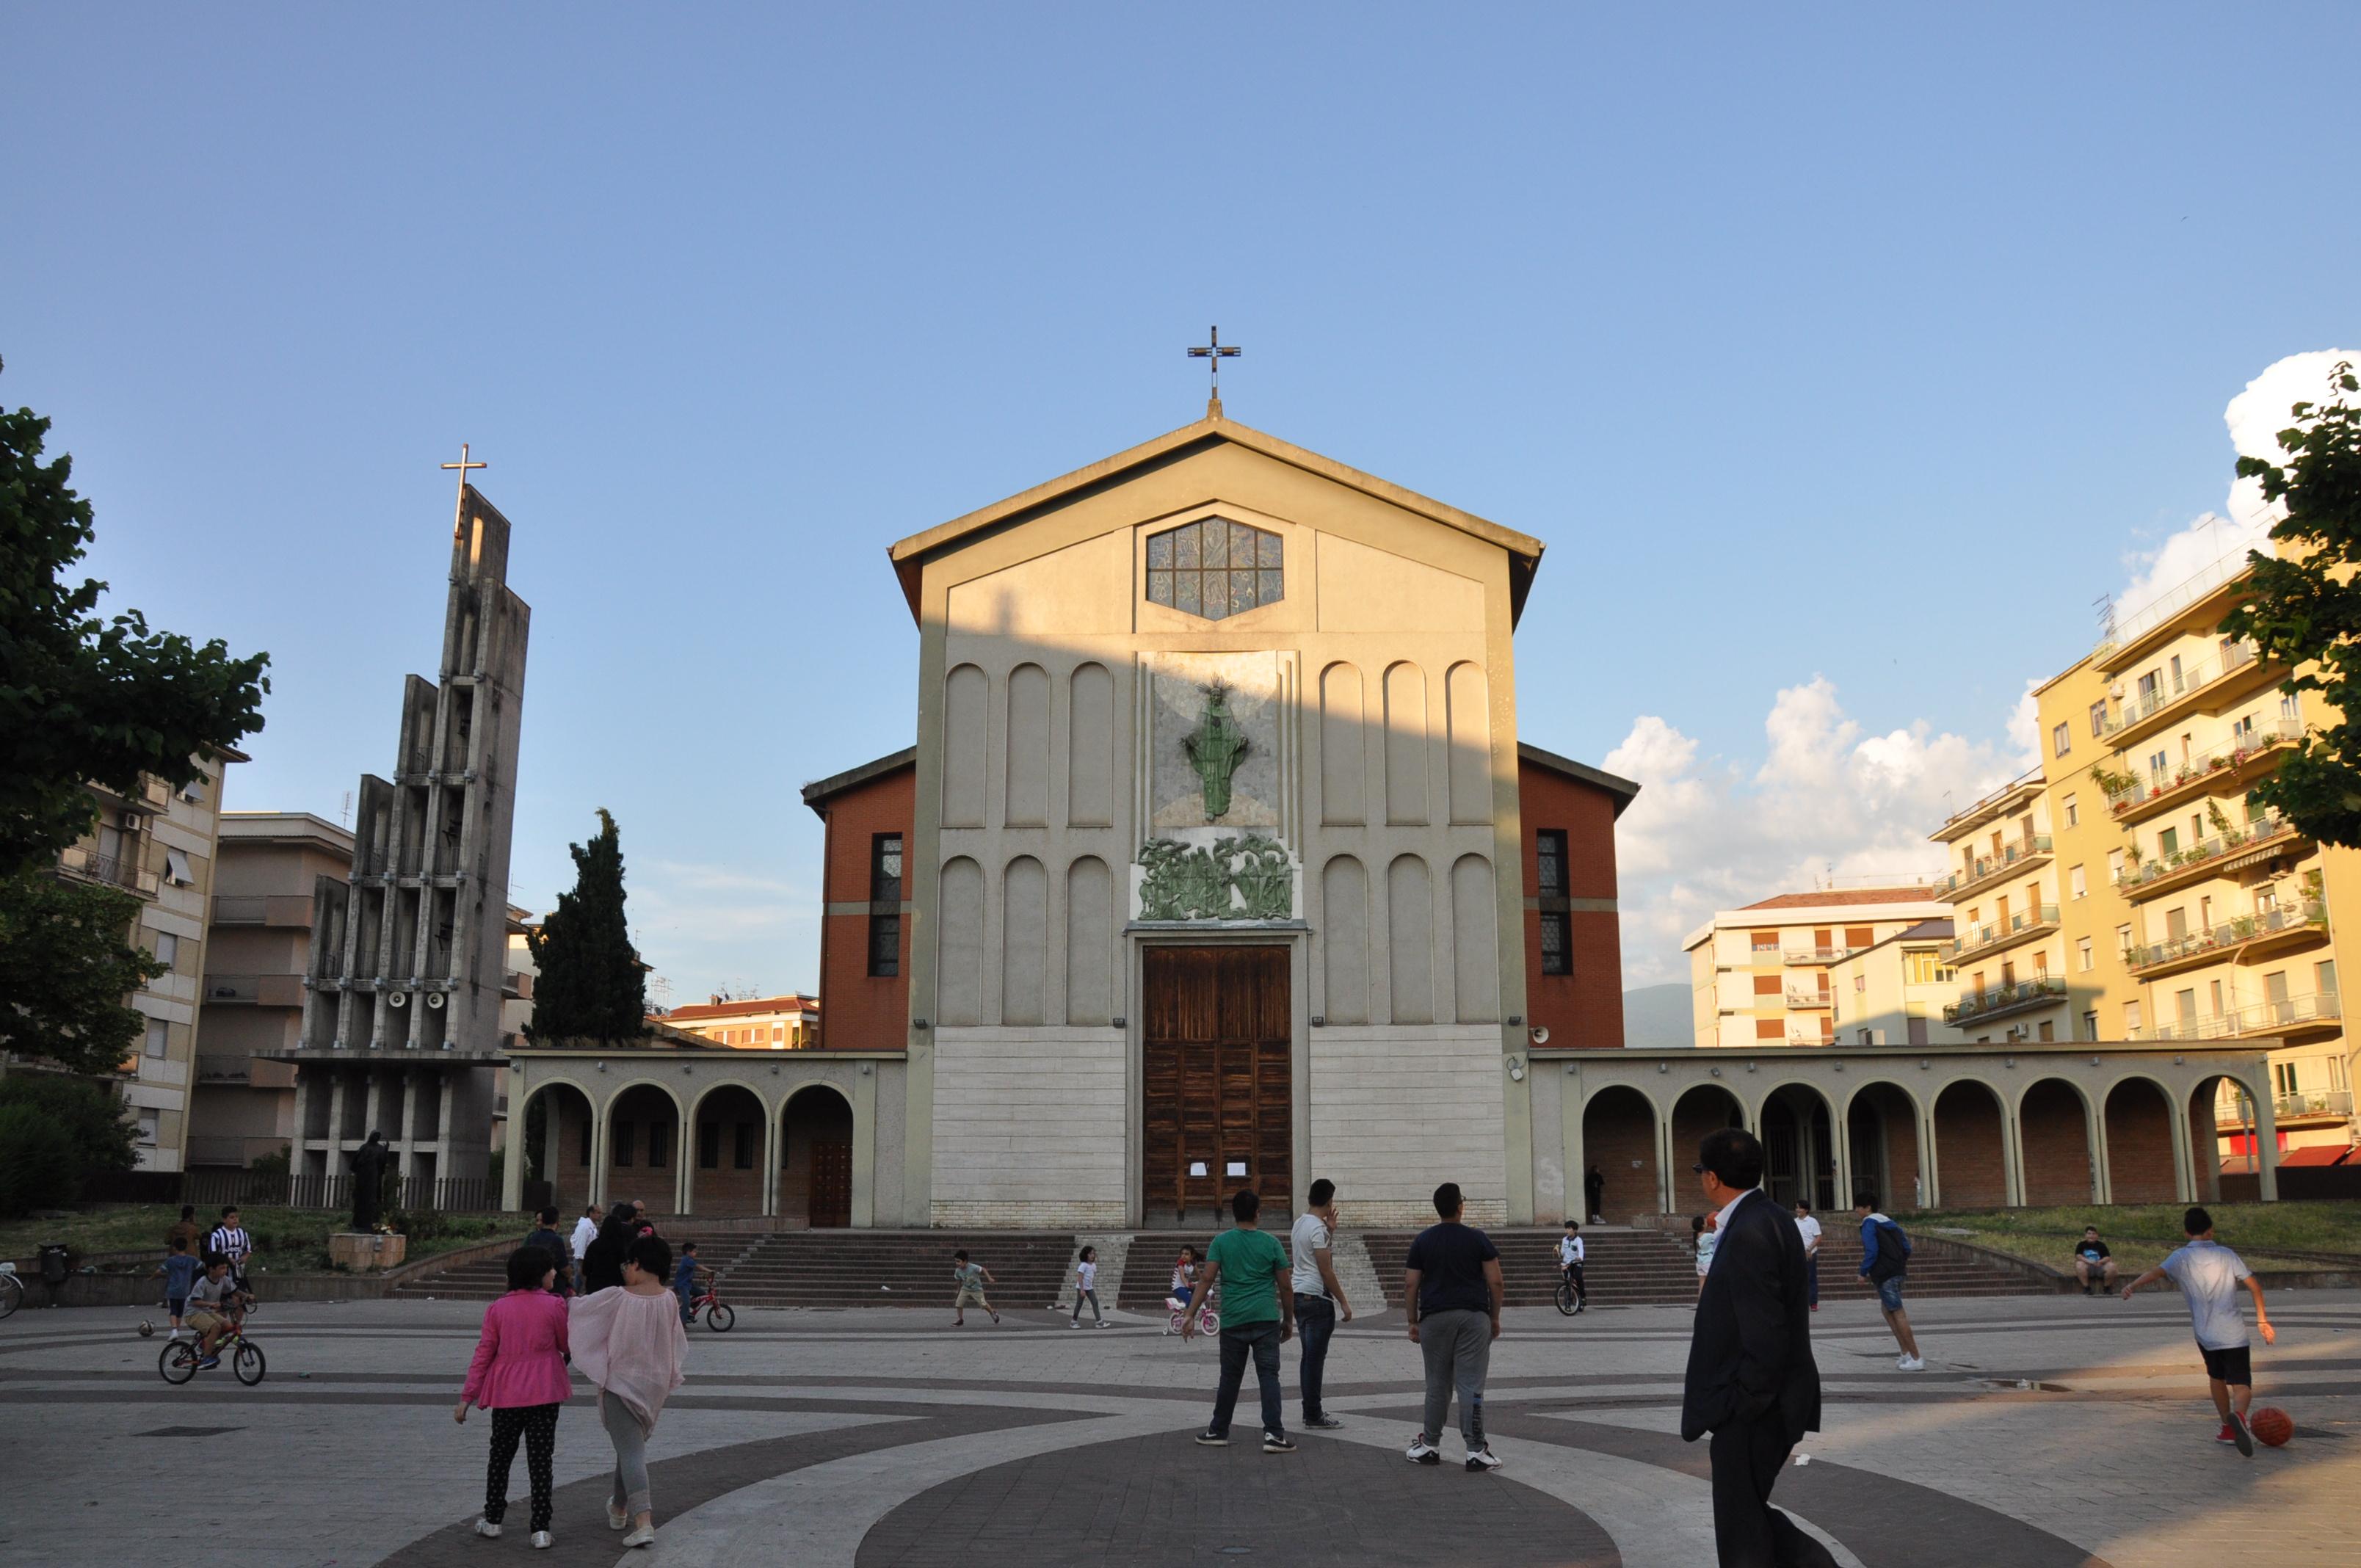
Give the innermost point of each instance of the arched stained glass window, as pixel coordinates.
(1215, 569)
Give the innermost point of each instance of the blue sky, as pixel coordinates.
(1846, 353)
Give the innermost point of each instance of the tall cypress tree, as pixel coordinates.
(590, 985)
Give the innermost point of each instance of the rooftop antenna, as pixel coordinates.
(345, 816)
(2104, 605)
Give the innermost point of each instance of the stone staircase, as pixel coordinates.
(1652, 1267)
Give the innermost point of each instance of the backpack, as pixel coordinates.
(1892, 1259)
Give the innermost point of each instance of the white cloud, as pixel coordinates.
(1709, 833)
(705, 927)
(2254, 418)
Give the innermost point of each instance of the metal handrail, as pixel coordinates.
(1984, 1003)
(2146, 785)
(1994, 934)
(2229, 934)
(2258, 830)
(2261, 1018)
(2175, 599)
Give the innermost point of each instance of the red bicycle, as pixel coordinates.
(718, 1315)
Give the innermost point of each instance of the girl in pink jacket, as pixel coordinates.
(519, 1375)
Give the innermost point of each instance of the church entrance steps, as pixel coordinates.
(1349, 1255)
(1113, 1251)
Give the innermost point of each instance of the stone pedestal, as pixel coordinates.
(367, 1250)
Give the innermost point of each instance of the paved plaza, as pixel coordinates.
(2045, 1431)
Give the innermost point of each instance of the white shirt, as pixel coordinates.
(586, 1231)
(1310, 1235)
(1810, 1227)
(1087, 1274)
(1569, 1250)
(2209, 1275)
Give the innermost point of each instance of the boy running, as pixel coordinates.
(1569, 1263)
(972, 1277)
(2209, 1275)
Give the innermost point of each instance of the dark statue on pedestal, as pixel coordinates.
(368, 1163)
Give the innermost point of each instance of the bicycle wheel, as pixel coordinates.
(247, 1364)
(1565, 1300)
(12, 1294)
(718, 1318)
(177, 1362)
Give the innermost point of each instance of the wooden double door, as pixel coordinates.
(1218, 1080)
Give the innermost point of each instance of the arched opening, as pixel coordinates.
(2140, 1167)
(2054, 1141)
(816, 1159)
(1619, 1141)
(1696, 1113)
(1799, 1149)
(2223, 1149)
(1882, 1131)
(559, 1139)
(725, 1172)
(1971, 1155)
(644, 1148)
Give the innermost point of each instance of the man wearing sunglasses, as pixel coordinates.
(1751, 1381)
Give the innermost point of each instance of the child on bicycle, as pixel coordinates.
(1569, 1262)
(211, 1308)
(684, 1282)
(1184, 1279)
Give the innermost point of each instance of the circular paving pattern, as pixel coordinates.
(1163, 1500)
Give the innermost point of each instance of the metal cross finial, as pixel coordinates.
(458, 515)
(1216, 353)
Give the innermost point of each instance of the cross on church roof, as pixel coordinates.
(1215, 352)
(458, 515)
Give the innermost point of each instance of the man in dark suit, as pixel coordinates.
(1751, 1382)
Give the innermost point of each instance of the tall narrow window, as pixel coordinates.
(1548, 886)
(744, 1152)
(623, 1131)
(885, 905)
(658, 1140)
(709, 1144)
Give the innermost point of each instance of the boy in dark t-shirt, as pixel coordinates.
(1451, 1293)
(2093, 1265)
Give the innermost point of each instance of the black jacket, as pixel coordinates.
(1751, 1356)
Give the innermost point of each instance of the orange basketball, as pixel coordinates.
(2271, 1425)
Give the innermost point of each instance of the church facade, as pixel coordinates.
(1216, 872)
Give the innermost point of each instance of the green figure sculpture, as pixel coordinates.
(1215, 748)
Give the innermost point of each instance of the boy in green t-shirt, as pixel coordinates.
(1258, 1317)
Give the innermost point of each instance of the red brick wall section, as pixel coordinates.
(1968, 1157)
(1882, 1103)
(644, 1107)
(1584, 1008)
(858, 1011)
(1619, 1136)
(1699, 1112)
(2139, 1144)
(2056, 1146)
(724, 1188)
(562, 1163)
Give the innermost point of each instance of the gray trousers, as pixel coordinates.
(631, 1492)
(1458, 1345)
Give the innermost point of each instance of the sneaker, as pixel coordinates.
(488, 1530)
(1278, 1442)
(617, 1517)
(543, 1540)
(1911, 1362)
(1075, 1324)
(643, 1536)
(1323, 1423)
(2240, 1435)
(1420, 1452)
(216, 1361)
(1815, 1306)
(2227, 1435)
(1484, 1459)
(1211, 1439)
(1104, 1323)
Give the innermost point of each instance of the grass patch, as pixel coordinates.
(284, 1239)
(2141, 1234)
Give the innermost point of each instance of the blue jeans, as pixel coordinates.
(1812, 1278)
(1316, 1322)
(1261, 1341)
(683, 1292)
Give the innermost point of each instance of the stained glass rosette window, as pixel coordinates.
(1215, 569)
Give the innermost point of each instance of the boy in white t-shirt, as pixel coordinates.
(1086, 1289)
(2210, 1276)
(1569, 1263)
(1810, 1229)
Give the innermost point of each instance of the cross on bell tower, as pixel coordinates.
(459, 509)
(1213, 351)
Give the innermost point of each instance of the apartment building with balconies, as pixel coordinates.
(1896, 990)
(2149, 895)
(1762, 974)
(158, 844)
(258, 937)
(2008, 948)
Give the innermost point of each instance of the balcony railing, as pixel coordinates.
(1994, 934)
(1982, 868)
(224, 1068)
(2263, 1018)
(2259, 830)
(2146, 785)
(2172, 602)
(1817, 955)
(1979, 1005)
(86, 864)
(251, 990)
(2172, 685)
(2230, 935)
(2312, 1103)
(1798, 997)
